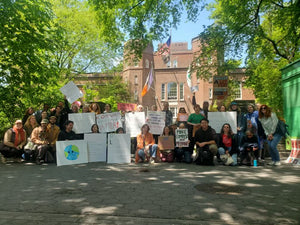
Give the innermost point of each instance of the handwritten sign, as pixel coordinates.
(82, 122)
(166, 142)
(220, 87)
(156, 121)
(109, 122)
(127, 107)
(182, 117)
(71, 91)
(133, 122)
(217, 119)
(182, 139)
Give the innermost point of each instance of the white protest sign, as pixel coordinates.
(182, 139)
(217, 119)
(118, 148)
(96, 147)
(156, 121)
(71, 152)
(71, 91)
(83, 122)
(134, 121)
(109, 122)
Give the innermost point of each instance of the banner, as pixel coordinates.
(71, 152)
(118, 148)
(156, 121)
(127, 107)
(96, 145)
(295, 152)
(217, 119)
(166, 142)
(71, 91)
(134, 122)
(182, 138)
(109, 122)
(83, 122)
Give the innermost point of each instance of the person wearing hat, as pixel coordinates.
(40, 137)
(13, 143)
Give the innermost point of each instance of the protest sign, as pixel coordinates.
(156, 121)
(96, 144)
(217, 119)
(166, 142)
(126, 107)
(109, 122)
(118, 148)
(71, 91)
(134, 121)
(182, 139)
(220, 87)
(295, 152)
(82, 122)
(71, 152)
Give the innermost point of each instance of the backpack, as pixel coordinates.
(282, 128)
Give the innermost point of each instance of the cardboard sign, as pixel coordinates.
(156, 121)
(220, 87)
(83, 122)
(127, 107)
(166, 142)
(118, 148)
(96, 144)
(182, 138)
(71, 91)
(109, 122)
(71, 152)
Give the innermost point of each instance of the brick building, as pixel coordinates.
(170, 82)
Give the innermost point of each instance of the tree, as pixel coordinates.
(28, 73)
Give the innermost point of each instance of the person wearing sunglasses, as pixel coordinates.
(269, 123)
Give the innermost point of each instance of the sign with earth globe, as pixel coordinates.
(71, 152)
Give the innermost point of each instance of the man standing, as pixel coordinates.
(169, 114)
(13, 143)
(40, 137)
(206, 145)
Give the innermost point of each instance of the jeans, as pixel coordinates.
(273, 147)
(152, 152)
(234, 155)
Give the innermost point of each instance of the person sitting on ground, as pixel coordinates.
(68, 133)
(120, 130)
(249, 150)
(95, 128)
(205, 139)
(30, 124)
(227, 144)
(183, 153)
(40, 137)
(14, 142)
(167, 155)
(146, 147)
(53, 131)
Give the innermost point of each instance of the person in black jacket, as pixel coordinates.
(249, 147)
(68, 133)
(227, 145)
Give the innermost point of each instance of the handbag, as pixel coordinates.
(30, 146)
(229, 161)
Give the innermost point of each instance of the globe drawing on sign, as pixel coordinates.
(71, 152)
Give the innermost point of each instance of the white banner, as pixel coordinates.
(217, 119)
(156, 121)
(96, 147)
(109, 122)
(118, 148)
(71, 91)
(71, 152)
(134, 121)
(83, 122)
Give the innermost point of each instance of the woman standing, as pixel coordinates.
(30, 125)
(269, 122)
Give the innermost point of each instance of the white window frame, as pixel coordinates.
(175, 96)
(163, 92)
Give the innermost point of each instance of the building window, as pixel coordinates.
(174, 111)
(175, 63)
(181, 88)
(172, 91)
(237, 92)
(163, 91)
(135, 79)
(169, 64)
(147, 63)
(135, 95)
(210, 93)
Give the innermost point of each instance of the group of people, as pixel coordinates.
(34, 137)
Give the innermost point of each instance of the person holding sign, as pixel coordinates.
(167, 150)
(146, 147)
(182, 116)
(182, 151)
(227, 144)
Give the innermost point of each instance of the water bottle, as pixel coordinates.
(255, 163)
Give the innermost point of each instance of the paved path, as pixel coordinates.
(164, 193)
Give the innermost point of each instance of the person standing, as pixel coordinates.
(169, 114)
(269, 123)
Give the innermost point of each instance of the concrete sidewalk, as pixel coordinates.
(164, 193)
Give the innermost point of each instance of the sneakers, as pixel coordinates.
(271, 163)
(278, 163)
(3, 159)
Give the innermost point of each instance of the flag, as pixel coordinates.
(148, 82)
(189, 77)
(165, 48)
